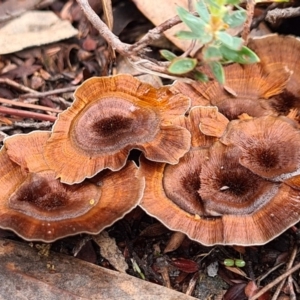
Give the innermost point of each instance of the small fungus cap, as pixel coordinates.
(278, 53)
(246, 90)
(205, 124)
(269, 146)
(38, 207)
(111, 116)
(228, 188)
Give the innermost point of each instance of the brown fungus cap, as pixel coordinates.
(227, 187)
(109, 117)
(269, 146)
(171, 197)
(179, 215)
(246, 90)
(203, 117)
(27, 150)
(278, 53)
(37, 206)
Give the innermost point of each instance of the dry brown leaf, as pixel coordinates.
(175, 241)
(34, 28)
(110, 251)
(158, 14)
(108, 15)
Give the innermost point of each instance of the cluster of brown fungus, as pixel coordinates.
(218, 163)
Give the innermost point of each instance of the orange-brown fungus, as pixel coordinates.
(246, 90)
(214, 124)
(109, 117)
(228, 187)
(37, 206)
(214, 198)
(270, 146)
(279, 52)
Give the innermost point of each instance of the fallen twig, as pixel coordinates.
(48, 93)
(282, 13)
(17, 85)
(275, 282)
(28, 105)
(26, 114)
(289, 265)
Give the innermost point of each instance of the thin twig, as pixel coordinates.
(29, 105)
(247, 25)
(289, 265)
(26, 114)
(103, 29)
(154, 34)
(262, 277)
(17, 85)
(262, 17)
(282, 13)
(126, 50)
(275, 282)
(48, 93)
(35, 125)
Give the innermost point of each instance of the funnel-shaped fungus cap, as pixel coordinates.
(204, 123)
(36, 206)
(241, 208)
(109, 117)
(279, 52)
(269, 146)
(175, 201)
(245, 91)
(227, 187)
(27, 150)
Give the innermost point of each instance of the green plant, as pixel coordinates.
(228, 262)
(209, 28)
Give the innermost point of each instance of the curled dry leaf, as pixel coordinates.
(175, 241)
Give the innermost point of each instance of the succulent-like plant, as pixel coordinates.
(209, 27)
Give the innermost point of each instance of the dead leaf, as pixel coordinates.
(13, 8)
(110, 251)
(185, 265)
(236, 292)
(34, 28)
(175, 241)
(108, 15)
(158, 14)
(237, 271)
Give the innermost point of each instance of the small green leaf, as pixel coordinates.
(200, 76)
(202, 10)
(243, 56)
(211, 53)
(193, 22)
(235, 18)
(212, 3)
(203, 36)
(182, 65)
(186, 35)
(218, 71)
(168, 55)
(232, 2)
(228, 262)
(240, 263)
(231, 42)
